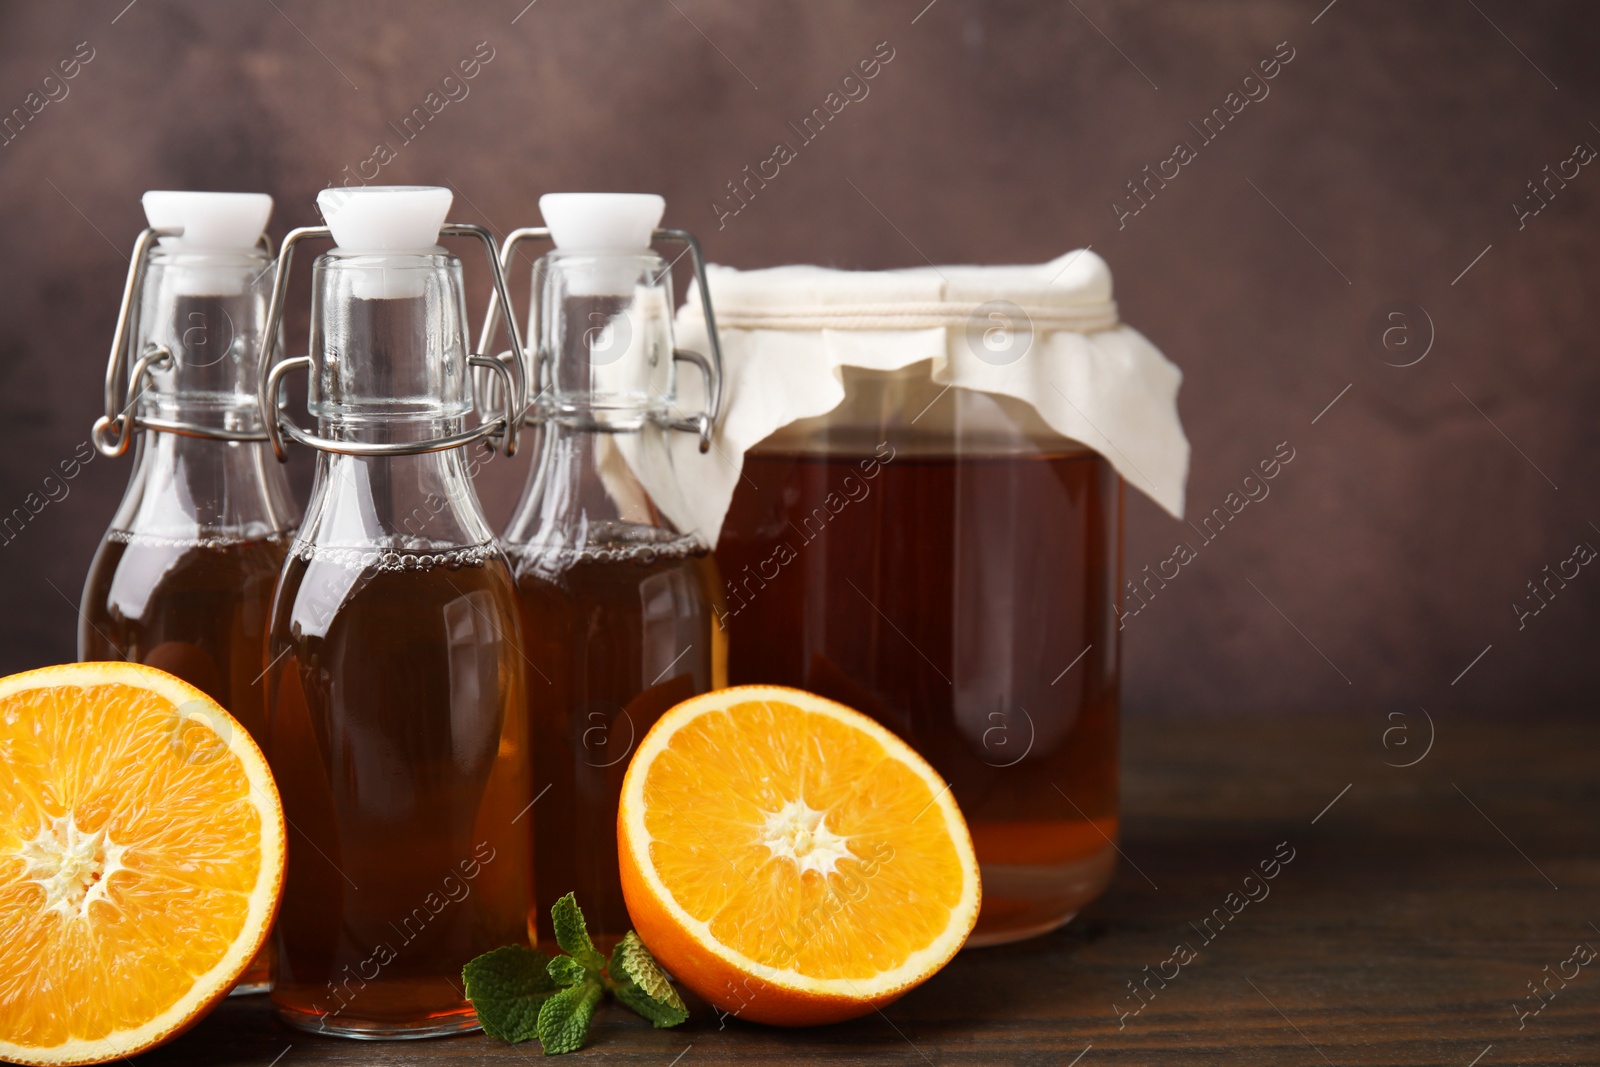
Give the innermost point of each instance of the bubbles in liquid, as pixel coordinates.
(620, 547)
(392, 559)
(253, 534)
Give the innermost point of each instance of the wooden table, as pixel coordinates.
(1419, 904)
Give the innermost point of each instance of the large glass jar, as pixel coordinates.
(943, 560)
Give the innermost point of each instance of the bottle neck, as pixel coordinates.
(416, 505)
(585, 496)
(188, 488)
(603, 330)
(604, 336)
(207, 310)
(390, 367)
(388, 347)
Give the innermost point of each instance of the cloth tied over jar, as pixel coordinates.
(1047, 335)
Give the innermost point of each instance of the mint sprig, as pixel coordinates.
(520, 992)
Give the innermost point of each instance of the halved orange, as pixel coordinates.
(789, 859)
(141, 859)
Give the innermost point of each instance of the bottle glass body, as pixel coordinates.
(396, 721)
(183, 578)
(618, 603)
(947, 564)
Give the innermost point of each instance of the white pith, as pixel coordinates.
(70, 865)
(800, 833)
(262, 899)
(916, 966)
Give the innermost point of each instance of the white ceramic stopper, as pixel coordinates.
(600, 224)
(386, 219)
(211, 223)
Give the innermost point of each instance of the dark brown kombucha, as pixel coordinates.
(396, 731)
(615, 636)
(196, 608)
(967, 604)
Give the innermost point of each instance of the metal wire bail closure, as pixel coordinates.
(704, 423)
(124, 385)
(508, 372)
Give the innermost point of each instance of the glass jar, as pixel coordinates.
(943, 560)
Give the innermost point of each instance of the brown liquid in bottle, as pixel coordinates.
(615, 637)
(951, 599)
(194, 608)
(397, 734)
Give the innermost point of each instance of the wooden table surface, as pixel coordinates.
(1420, 903)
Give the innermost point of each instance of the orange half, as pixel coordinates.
(141, 860)
(789, 859)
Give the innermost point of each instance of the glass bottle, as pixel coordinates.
(618, 602)
(183, 578)
(396, 722)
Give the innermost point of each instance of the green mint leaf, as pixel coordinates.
(642, 985)
(564, 1018)
(565, 971)
(507, 987)
(661, 1015)
(571, 933)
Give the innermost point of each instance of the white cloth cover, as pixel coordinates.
(787, 331)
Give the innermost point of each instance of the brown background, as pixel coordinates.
(1396, 141)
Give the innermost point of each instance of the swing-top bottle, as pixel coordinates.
(618, 598)
(395, 717)
(183, 578)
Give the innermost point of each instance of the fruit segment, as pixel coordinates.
(769, 837)
(141, 856)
